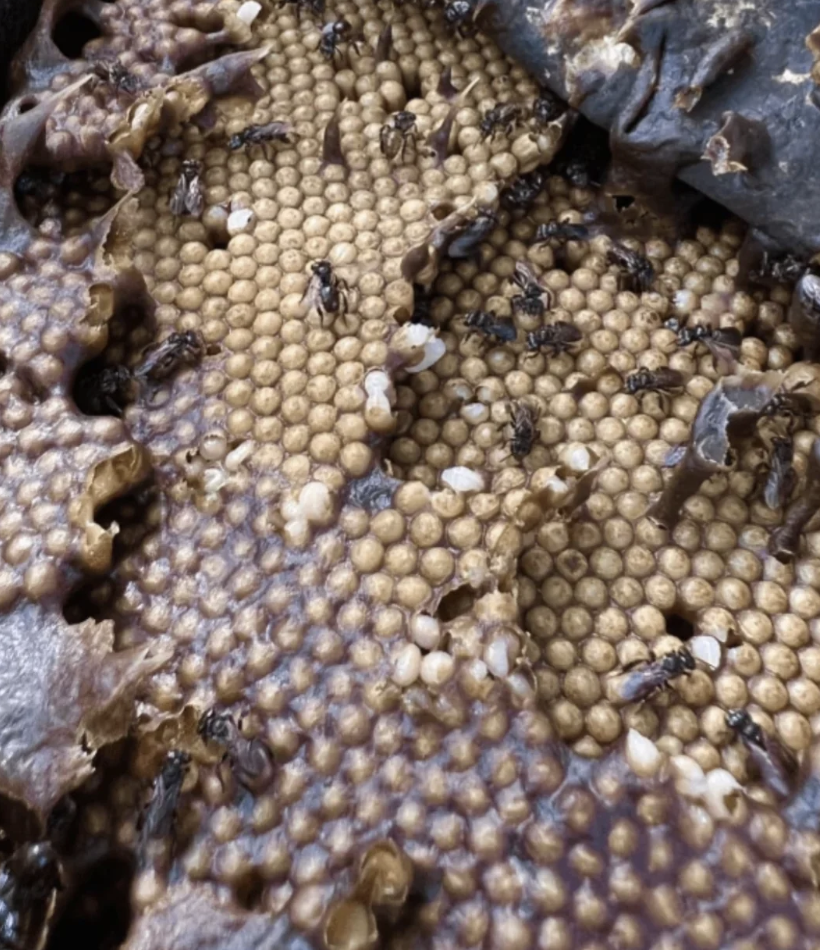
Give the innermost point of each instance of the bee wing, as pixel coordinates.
(773, 490)
(725, 355)
(527, 273)
(195, 198)
(670, 378)
(778, 766)
(634, 685)
(179, 198)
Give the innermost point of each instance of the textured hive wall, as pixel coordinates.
(268, 567)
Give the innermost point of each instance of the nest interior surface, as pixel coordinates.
(429, 747)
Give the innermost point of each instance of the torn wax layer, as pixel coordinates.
(574, 49)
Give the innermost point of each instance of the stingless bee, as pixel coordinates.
(162, 359)
(524, 419)
(502, 118)
(334, 33)
(188, 197)
(325, 291)
(466, 244)
(638, 272)
(722, 342)
(520, 194)
(780, 475)
(562, 231)
(251, 761)
(660, 381)
(394, 139)
(794, 406)
(776, 764)
(114, 74)
(636, 685)
(160, 812)
(260, 135)
(547, 108)
(558, 337)
(534, 298)
(489, 325)
(458, 14)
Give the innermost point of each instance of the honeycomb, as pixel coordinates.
(290, 626)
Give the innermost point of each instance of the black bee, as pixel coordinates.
(524, 419)
(638, 271)
(160, 812)
(334, 33)
(781, 478)
(520, 194)
(260, 135)
(251, 760)
(163, 359)
(776, 764)
(466, 243)
(458, 14)
(794, 406)
(784, 269)
(562, 231)
(29, 881)
(502, 118)
(558, 337)
(531, 300)
(394, 139)
(722, 342)
(313, 7)
(639, 684)
(325, 291)
(104, 393)
(422, 303)
(188, 197)
(662, 380)
(118, 77)
(488, 324)
(547, 108)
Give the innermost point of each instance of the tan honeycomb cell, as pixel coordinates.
(428, 659)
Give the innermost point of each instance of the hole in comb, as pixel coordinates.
(680, 627)
(98, 911)
(137, 514)
(72, 33)
(456, 603)
(250, 890)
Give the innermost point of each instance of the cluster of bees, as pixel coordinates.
(249, 760)
(776, 765)
(108, 390)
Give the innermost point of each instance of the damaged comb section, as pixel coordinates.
(65, 693)
(728, 413)
(113, 75)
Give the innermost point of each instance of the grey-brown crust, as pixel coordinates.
(572, 49)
